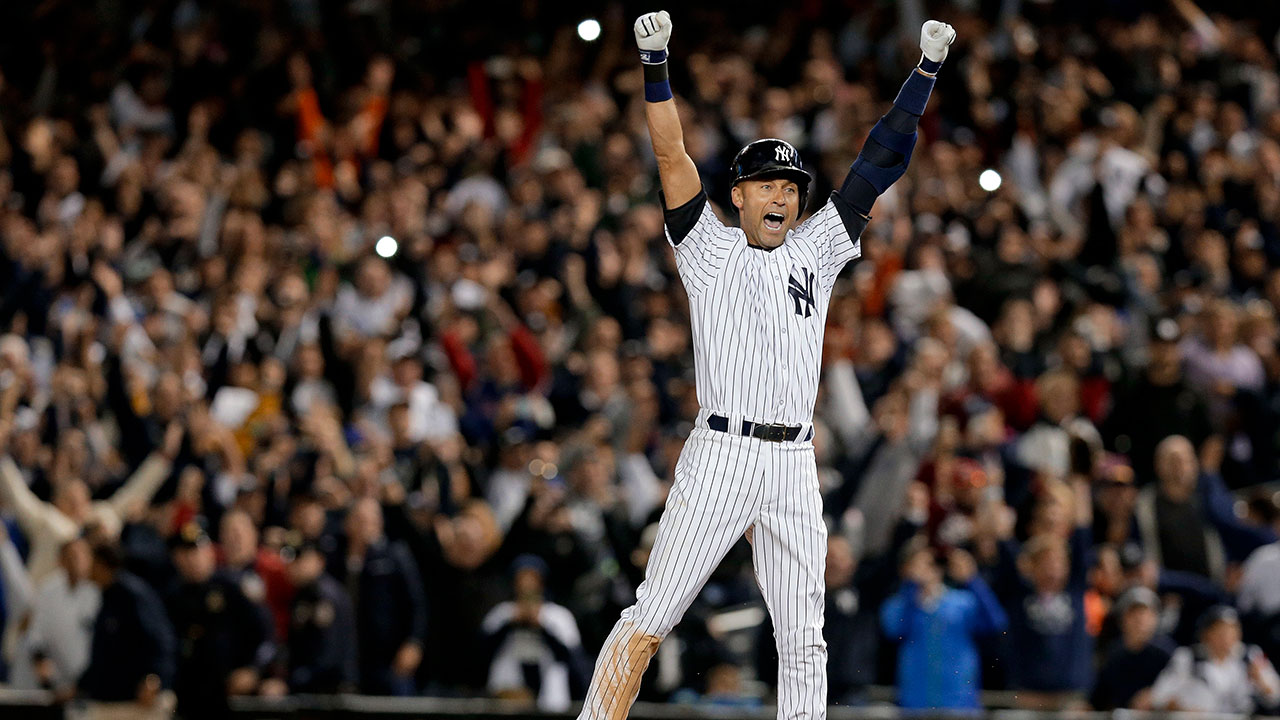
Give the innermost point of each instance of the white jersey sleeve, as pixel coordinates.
(835, 232)
(702, 243)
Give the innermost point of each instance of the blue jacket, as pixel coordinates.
(938, 662)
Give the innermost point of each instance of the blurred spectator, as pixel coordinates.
(224, 638)
(1131, 667)
(1042, 584)
(322, 633)
(933, 621)
(1157, 404)
(1188, 522)
(1258, 596)
(389, 601)
(53, 650)
(49, 525)
(259, 571)
(1219, 675)
(1115, 498)
(132, 664)
(857, 588)
(535, 651)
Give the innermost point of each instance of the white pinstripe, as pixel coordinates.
(757, 356)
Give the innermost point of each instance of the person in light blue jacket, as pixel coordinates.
(938, 627)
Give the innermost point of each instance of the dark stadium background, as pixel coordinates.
(185, 269)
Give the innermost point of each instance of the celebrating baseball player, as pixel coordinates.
(758, 296)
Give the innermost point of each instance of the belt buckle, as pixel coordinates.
(775, 433)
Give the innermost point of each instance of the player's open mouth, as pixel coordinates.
(774, 220)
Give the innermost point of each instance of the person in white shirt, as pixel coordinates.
(1220, 675)
(1260, 585)
(49, 526)
(535, 647)
(54, 649)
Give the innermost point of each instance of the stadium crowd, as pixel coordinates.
(342, 351)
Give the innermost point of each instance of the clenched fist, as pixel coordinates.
(935, 37)
(653, 30)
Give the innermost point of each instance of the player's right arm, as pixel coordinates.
(679, 176)
(701, 243)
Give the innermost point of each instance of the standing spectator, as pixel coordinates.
(1131, 668)
(132, 661)
(1175, 531)
(534, 645)
(224, 638)
(1114, 500)
(934, 622)
(1043, 586)
(1157, 404)
(1220, 675)
(54, 650)
(259, 572)
(16, 591)
(49, 526)
(1258, 596)
(1219, 364)
(1188, 521)
(321, 655)
(390, 605)
(856, 590)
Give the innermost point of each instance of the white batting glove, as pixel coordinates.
(653, 30)
(935, 37)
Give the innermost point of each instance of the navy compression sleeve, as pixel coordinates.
(887, 151)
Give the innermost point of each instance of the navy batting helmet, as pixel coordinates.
(772, 157)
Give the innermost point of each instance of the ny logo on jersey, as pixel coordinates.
(782, 153)
(802, 292)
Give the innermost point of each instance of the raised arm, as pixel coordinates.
(679, 176)
(887, 151)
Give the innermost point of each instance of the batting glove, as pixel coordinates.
(653, 30)
(935, 38)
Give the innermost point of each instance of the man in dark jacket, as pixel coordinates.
(390, 604)
(131, 665)
(224, 638)
(321, 650)
(1132, 666)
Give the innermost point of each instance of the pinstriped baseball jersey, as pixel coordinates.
(758, 320)
(758, 315)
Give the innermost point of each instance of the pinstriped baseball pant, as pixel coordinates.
(725, 484)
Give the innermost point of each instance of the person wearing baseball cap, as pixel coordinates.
(1221, 674)
(321, 654)
(1157, 404)
(528, 633)
(224, 638)
(1132, 666)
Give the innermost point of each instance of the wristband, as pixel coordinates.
(928, 66)
(653, 57)
(657, 87)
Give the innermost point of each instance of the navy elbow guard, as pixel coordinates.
(885, 155)
(883, 160)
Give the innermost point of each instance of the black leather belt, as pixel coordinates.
(769, 433)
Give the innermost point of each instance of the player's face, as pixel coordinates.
(768, 208)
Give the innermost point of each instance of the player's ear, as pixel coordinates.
(735, 195)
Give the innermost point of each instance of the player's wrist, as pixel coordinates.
(653, 57)
(657, 85)
(927, 66)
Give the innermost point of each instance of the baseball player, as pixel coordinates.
(758, 296)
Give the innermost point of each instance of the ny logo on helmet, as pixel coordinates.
(782, 153)
(802, 292)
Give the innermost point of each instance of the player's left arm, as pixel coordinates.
(883, 159)
(888, 148)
